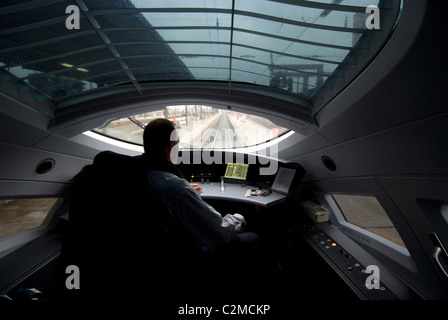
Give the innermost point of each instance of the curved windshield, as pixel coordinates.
(199, 127)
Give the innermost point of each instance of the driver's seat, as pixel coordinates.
(120, 236)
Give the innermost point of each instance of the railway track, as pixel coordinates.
(220, 136)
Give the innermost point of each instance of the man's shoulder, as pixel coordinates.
(166, 179)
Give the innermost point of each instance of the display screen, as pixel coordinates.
(283, 180)
(236, 171)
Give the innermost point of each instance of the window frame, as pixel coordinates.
(378, 245)
(348, 216)
(357, 231)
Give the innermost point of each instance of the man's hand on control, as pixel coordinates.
(197, 187)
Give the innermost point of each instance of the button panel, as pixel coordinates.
(351, 267)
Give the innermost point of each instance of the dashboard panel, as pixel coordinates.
(262, 172)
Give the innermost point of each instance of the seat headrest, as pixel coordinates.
(107, 157)
(120, 166)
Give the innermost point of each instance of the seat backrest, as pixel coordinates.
(111, 197)
(115, 226)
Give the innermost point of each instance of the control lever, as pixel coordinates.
(222, 184)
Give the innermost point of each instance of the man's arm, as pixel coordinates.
(203, 224)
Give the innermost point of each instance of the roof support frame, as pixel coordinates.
(233, 13)
(231, 47)
(88, 32)
(27, 6)
(48, 41)
(34, 25)
(303, 24)
(286, 68)
(211, 28)
(322, 5)
(127, 43)
(94, 23)
(57, 56)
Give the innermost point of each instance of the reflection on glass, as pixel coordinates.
(199, 127)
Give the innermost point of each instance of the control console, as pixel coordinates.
(365, 280)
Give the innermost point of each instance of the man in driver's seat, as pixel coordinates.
(206, 228)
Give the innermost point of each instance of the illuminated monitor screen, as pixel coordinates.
(236, 171)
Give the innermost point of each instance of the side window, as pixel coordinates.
(18, 215)
(367, 213)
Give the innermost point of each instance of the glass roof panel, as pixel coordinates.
(341, 16)
(143, 74)
(187, 19)
(194, 35)
(354, 3)
(76, 73)
(180, 49)
(286, 47)
(28, 16)
(112, 4)
(180, 35)
(164, 19)
(73, 87)
(275, 30)
(6, 3)
(30, 35)
(44, 51)
(62, 62)
(297, 46)
(243, 71)
(202, 67)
